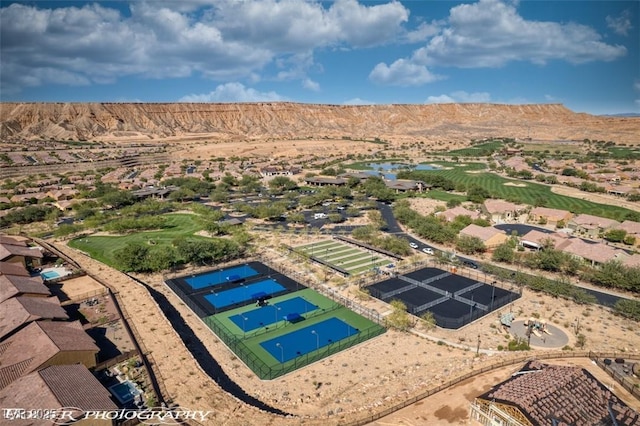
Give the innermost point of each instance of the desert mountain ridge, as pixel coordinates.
(286, 120)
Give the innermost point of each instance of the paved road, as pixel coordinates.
(520, 228)
(604, 299)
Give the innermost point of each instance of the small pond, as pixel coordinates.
(387, 170)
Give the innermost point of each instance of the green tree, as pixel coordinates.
(118, 199)
(504, 253)
(470, 245)
(615, 235)
(133, 257)
(399, 318)
(477, 194)
(549, 259)
(428, 320)
(296, 217)
(282, 183)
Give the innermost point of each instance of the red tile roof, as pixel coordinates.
(588, 220)
(500, 206)
(58, 386)
(13, 285)
(481, 232)
(16, 241)
(37, 343)
(451, 214)
(8, 250)
(569, 395)
(8, 268)
(19, 311)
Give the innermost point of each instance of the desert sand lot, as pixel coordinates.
(375, 375)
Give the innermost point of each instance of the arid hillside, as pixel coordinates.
(146, 121)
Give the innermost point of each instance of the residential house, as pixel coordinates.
(18, 252)
(544, 394)
(620, 190)
(535, 239)
(404, 185)
(280, 171)
(501, 211)
(490, 236)
(593, 253)
(44, 343)
(59, 386)
(632, 228)
(63, 194)
(9, 268)
(570, 180)
(325, 181)
(549, 216)
(17, 312)
(451, 214)
(14, 286)
(28, 198)
(591, 226)
(632, 261)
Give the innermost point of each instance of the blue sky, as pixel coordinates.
(583, 54)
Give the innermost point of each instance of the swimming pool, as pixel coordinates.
(125, 392)
(49, 275)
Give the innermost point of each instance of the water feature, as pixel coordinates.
(389, 170)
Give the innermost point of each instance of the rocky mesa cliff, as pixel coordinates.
(146, 121)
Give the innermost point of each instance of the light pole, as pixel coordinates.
(317, 339)
(281, 352)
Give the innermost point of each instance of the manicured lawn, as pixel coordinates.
(531, 193)
(480, 150)
(102, 247)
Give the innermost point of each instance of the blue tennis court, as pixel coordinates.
(221, 276)
(270, 314)
(243, 293)
(300, 342)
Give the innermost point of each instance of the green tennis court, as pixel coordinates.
(257, 346)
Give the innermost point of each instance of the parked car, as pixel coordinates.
(413, 245)
(428, 250)
(470, 264)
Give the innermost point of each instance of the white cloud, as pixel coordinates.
(233, 92)
(309, 84)
(402, 73)
(491, 33)
(441, 99)
(423, 32)
(620, 24)
(218, 39)
(460, 96)
(358, 101)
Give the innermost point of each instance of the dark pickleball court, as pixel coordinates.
(453, 299)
